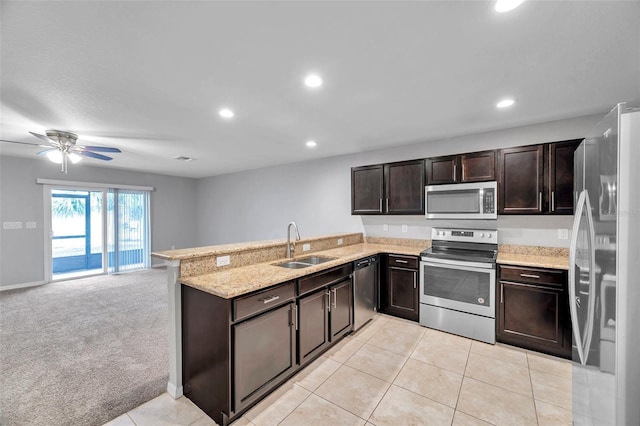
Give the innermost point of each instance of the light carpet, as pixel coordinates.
(84, 351)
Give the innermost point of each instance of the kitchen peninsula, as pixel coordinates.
(229, 305)
(214, 289)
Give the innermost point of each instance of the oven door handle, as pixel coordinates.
(466, 266)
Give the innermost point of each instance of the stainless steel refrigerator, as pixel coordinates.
(604, 273)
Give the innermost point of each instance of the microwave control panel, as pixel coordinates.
(489, 200)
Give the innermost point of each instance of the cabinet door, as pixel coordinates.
(534, 317)
(263, 352)
(442, 170)
(560, 174)
(341, 313)
(402, 292)
(478, 166)
(367, 189)
(521, 180)
(404, 192)
(313, 325)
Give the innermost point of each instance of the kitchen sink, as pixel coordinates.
(316, 260)
(305, 262)
(294, 265)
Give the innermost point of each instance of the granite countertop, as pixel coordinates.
(235, 282)
(537, 257)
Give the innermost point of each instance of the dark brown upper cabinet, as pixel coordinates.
(393, 188)
(478, 166)
(521, 180)
(470, 167)
(560, 176)
(367, 189)
(536, 179)
(442, 170)
(404, 187)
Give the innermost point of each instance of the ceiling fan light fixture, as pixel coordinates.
(75, 158)
(55, 156)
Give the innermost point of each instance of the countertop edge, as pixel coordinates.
(264, 271)
(534, 261)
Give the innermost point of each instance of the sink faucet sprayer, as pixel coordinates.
(290, 249)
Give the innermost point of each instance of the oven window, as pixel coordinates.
(457, 285)
(458, 201)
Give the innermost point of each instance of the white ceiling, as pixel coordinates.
(149, 76)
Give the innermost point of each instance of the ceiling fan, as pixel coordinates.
(61, 148)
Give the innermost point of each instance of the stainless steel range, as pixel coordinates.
(458, 281)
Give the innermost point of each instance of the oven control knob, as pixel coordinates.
(482, 235)
(488, 235)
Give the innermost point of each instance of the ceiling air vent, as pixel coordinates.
(183, 158)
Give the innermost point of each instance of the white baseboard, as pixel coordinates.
(22, 285)
(175, 392)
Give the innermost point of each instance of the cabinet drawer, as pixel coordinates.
(321, 279)
(402, 261)
(555, 277)
(266, 299)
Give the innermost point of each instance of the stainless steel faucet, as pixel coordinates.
(290, 249)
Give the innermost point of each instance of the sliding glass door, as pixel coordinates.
(76, 233)
(128, 226)
(98, 231)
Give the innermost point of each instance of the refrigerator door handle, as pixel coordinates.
(592, 279)
(574, 302)
(582, 342)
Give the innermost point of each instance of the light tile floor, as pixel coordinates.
(395, 372)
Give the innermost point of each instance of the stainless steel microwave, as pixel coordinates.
(478, 200)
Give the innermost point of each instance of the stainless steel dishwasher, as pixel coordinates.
(364, 290)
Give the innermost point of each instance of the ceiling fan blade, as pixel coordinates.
(44, 151)
(24, 143)
(94, 155)
(101, 149)
(43, 137)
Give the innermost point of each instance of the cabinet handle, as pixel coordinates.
(540, 201)
(553, 201)
(380, 205)
(335, 297)
(328, 293)
(270, 299)
(455, 167)
(295, 316)
(530, 276)
(415, 283)
(387, 205)
(401, 261)
(501, 293)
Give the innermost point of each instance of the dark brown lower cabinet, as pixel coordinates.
(236, 351)
(313, 324)
(325, 316)
(264, 352)
(533, 309)
(401, 295)
(341, 312)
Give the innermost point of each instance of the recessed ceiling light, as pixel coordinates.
(226, 113)
(313, 81)
(507, 5)
(505, 103)
(311, 144)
